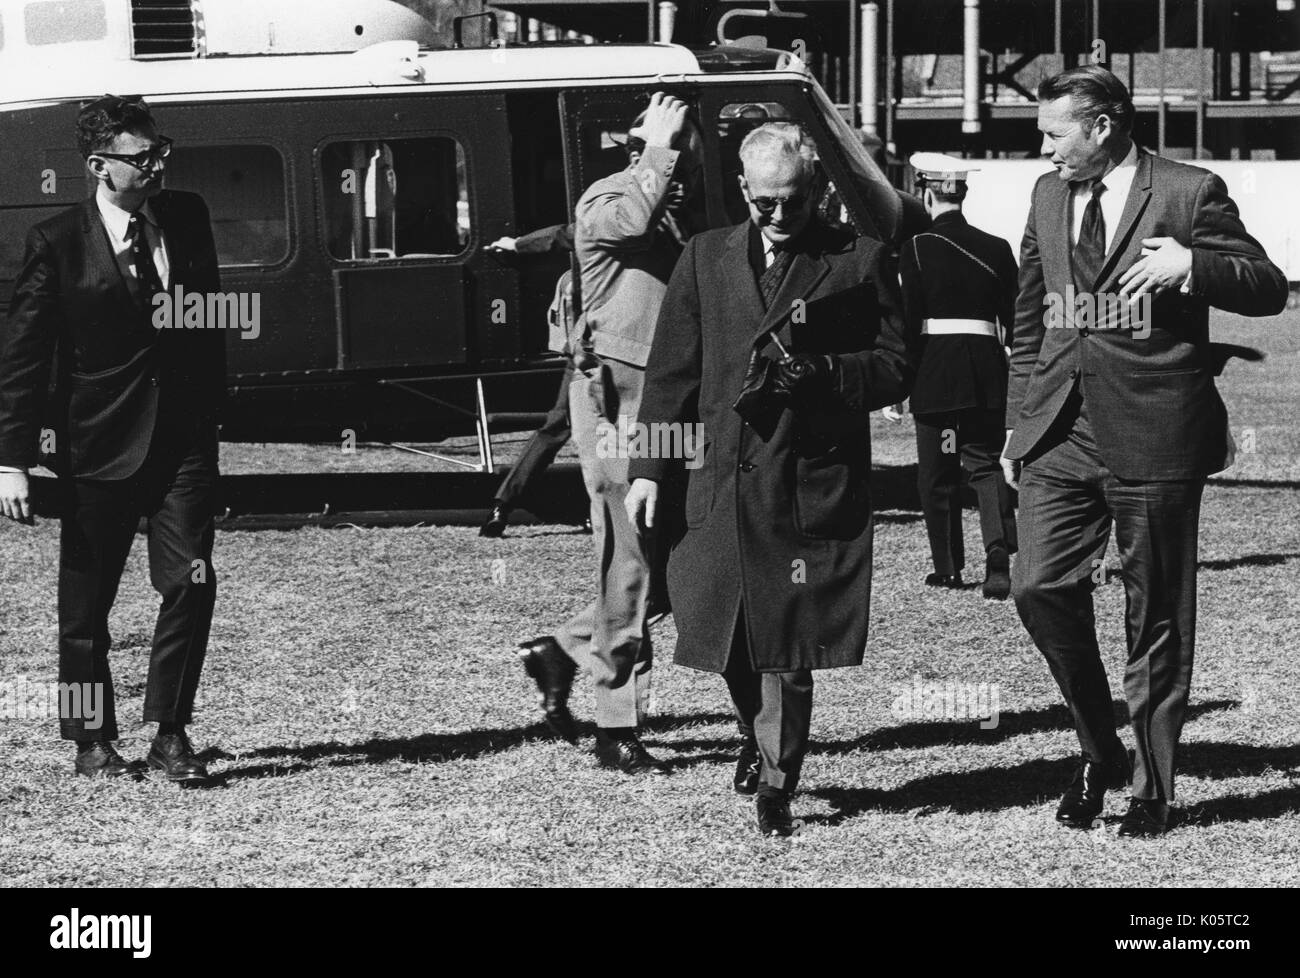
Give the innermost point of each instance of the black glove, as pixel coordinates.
(802, 374)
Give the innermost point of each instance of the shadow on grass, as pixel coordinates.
(427, 748)
(1035, 782)
(940, 733)
(1247, 560)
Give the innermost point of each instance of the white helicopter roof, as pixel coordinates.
(388, 64)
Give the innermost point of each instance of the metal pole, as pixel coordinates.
(870, 60)
(889, 76)
(970, 87)
(1200, 76)
(667, 21)
(1160, 107)
(854, 67)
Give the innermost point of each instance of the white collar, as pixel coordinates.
(116, 218)
(1121, 178)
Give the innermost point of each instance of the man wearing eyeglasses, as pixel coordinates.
(779, 336)
(133, 414)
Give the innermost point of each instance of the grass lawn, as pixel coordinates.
(368, 723)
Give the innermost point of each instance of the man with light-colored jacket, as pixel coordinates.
(629, 233)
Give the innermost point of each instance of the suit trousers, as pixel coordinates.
(609, 638)
(1069, 501)
(175, 491)
(541, 449)
(774, 708)
(946, 443)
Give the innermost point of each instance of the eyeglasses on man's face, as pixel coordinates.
(146, 158)
(767, 205)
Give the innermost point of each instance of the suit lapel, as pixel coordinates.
(1138, 196)
(99, 250)
(734, 269)
(173, 236)
(1054, 237)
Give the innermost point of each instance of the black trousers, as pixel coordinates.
(946, 443)
(1069, 502)
(774, 708)
(175, 490)
(541, 449)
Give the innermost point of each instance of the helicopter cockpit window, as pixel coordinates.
(395, 198)
(243, 186)
(736, 121)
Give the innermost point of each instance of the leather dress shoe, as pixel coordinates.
(625, 752)
(174, 756)
(553, 672)
(1145, 819)
(774, 818)
(496, 523)
(1083, 801)
(99, 759)
(747, 767)
(997, 574)
(952, 581)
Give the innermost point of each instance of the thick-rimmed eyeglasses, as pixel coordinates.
(768, 205)
(145, 159)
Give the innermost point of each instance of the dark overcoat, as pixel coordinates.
(781, 525)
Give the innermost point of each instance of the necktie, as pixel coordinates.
(1090, 249)
(769, 282)
(146, 272)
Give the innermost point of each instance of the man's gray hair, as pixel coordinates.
(773, 140)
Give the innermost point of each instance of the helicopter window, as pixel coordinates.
(65, 20)
(243, 186)
(395, 198)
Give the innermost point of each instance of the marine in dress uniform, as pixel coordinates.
(958, 283)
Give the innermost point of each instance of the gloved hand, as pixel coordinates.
(801, 373)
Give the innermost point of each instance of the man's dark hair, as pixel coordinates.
(104, 119)
(1095, 92)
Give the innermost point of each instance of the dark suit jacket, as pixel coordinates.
(955, 271)
(1155, 412)
(78, 354)
(784, 522)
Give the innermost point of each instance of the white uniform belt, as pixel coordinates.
(950, 327)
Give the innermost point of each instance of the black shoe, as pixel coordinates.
(174, 756)
(1145, 819)
(553, 672)
(496, 523)
(625, 751)
(774, 818)
(1083, 801)
(952, 581)
(98, 759)
(997, 574)
(747, 767)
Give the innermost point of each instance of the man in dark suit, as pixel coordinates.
(133, 408)
(771, 579)
(958, 282)
(1113, 418)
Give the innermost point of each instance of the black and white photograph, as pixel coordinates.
(732, 444)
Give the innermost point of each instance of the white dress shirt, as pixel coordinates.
(1118, 182)
(115, 222)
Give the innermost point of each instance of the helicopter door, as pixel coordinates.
(405, 212)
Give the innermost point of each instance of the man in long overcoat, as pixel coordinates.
(771, 578)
